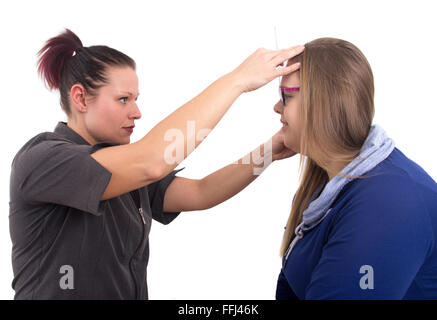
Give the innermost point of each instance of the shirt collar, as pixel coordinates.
(70, 134)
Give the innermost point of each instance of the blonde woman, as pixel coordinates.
(363, 221)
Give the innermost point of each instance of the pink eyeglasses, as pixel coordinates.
(282, 91)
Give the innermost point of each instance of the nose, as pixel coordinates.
(278, 108)
(136, 113)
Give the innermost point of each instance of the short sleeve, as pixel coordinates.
(376, 246)
(62, 173)
(156, 193)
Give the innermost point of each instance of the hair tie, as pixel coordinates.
(76, 51)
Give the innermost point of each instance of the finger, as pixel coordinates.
(291, 153)
(290, 52)
(286, 154)
(287, 70)
(281, 156)
(268, 54)
(287, 54)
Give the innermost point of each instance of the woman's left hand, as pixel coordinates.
(279, 150)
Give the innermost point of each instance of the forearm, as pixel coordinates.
(204, 111)
(230, 180)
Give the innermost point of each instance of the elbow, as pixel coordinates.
(156, 167)
(152, 173)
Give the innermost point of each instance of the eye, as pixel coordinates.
(123, 100)
(286, 97)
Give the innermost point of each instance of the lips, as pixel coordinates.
(129, 129)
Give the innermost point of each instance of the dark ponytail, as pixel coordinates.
(63, 62)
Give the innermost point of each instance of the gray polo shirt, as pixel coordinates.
(67, 244)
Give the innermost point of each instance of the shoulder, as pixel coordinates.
(395, 181)
(388, 200)
(43, 140)
(40, 146)
(384, 185)
(384, 193)
(51, 144)
(397, 176)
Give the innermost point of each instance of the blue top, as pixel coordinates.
(378, 240)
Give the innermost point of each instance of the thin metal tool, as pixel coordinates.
(277, 48)
(276, 39)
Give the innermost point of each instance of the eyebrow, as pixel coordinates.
(129, 93)
(288, 89)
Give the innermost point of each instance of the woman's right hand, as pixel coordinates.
(262, 66)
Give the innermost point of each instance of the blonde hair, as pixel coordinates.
(337, 109)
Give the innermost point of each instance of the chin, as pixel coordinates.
(125, 141)
(120, 140)
(290, 145)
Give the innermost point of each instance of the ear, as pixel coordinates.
(78, 95)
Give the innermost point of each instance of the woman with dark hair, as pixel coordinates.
(363, 222)
(82, 198)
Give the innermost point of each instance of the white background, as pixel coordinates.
(232, 250)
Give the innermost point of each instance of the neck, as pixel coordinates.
(80, 129)
(336, 167)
